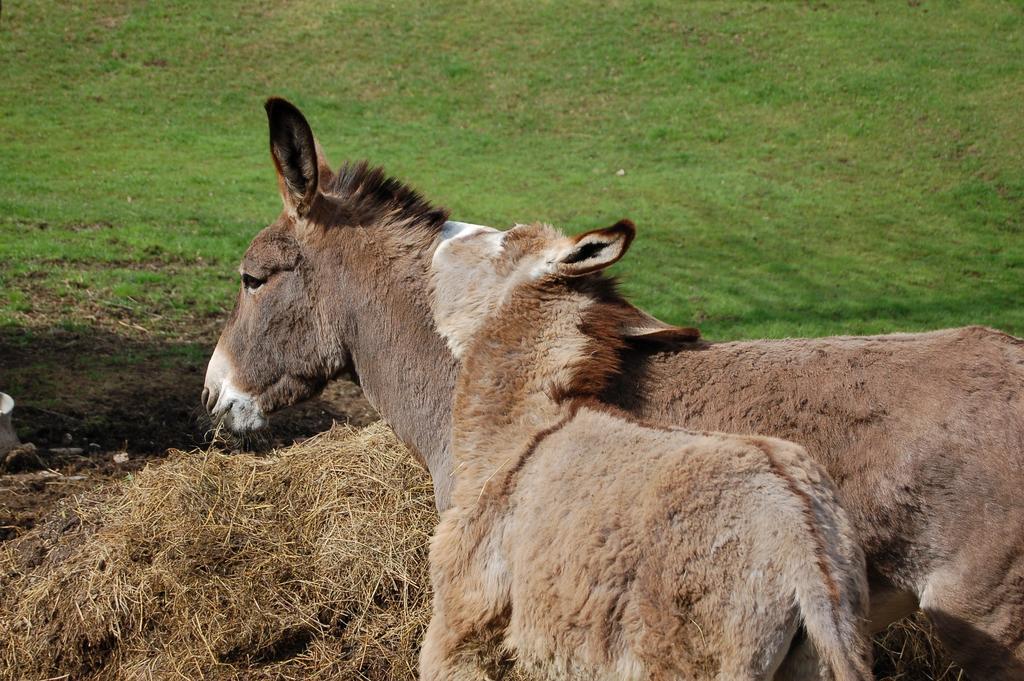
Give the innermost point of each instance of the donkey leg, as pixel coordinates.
(770, 650)
(802, 663)
(462, 642)
(796, 659)
(980, 621)
(451, 655)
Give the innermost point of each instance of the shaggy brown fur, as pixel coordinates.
(922, 433)
(589, 546)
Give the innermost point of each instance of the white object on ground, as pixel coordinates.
(8, 438)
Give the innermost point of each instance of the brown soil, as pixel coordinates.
(86, 394)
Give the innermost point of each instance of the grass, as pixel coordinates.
(794, 169)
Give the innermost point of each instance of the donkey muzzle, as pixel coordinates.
(225, 402)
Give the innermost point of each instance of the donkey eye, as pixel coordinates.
(252, 283)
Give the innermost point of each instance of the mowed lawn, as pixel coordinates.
(793, 168)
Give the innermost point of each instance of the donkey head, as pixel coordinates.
(307, 280)
(268, 355)
(475, 268)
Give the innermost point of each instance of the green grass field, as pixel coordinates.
(794, 169)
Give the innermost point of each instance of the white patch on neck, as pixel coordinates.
(455, 313)
(454, 345)
(453, 231)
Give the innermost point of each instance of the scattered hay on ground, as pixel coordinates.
(909, 651)
(307, 564)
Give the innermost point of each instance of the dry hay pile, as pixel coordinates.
(309, 564)
(909, 651)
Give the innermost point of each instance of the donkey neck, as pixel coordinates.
(520, 375)
(403, 366)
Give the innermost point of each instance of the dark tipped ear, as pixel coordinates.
(595, 250)
(295, 155)
(637, 325)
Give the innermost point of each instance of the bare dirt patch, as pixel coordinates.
(87, 394)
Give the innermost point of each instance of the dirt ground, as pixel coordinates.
(98, 404)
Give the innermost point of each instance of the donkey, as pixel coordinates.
(922, 433)
(592, 546)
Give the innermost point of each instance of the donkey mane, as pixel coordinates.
(600, 361)
(366, 195)
(603, 323)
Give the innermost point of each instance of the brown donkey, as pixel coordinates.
(922, 433)
(588, 545)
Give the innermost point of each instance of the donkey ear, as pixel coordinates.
(295, 153)
(637, 325)
(595, 250)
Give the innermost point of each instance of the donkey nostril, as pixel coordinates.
(209, 399)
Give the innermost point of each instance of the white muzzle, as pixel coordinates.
(235, 409)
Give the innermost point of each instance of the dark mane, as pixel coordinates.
(367, 195)
(603, 324)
